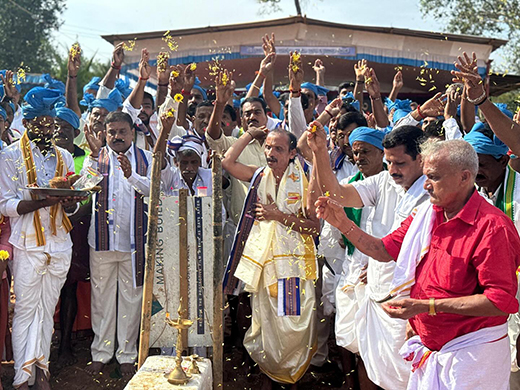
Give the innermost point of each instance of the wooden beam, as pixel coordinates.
(218, 273)
(151, 247)
(183, 262)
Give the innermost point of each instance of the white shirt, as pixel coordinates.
(297, 122)
(347, 170)
(120, 199)
(13, 180)
(391, 206)
(173, 181)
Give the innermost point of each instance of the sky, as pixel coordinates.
(86, 21)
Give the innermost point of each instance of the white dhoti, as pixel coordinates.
(38, 279)
(282, 346)
(111, 278)
(477, 360)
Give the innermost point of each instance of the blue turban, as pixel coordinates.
(398, 104)
(485, 145)
(399, 114)
(317, 89)
(68, 115)
(201, 90)
(112, 103)
(52, 83)
(123, 86)
(3, 72)
(3, 113)
(366, 134)
(503, 107)
(41, 102)
(354, 103)
(92, 84)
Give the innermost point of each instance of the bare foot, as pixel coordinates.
(94, 368)
(66, 358)
(128, 369)
(42, 381)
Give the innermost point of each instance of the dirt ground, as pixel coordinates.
(236, 377)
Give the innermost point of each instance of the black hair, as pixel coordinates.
(254, 99)
(410, 137)
(348, 107)
(293, 141)
(434, 129)
(231, 111)
(119, 116)
(346, 84)
(7, 107)
(205, 103)
(149, 96)
(347, 119)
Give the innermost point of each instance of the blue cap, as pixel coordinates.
(354, 103)
(41, 102)
(398, 104)
(366, 134)
(485, 145)
(317, 89)
(68, 115)
(123, 86)
(92, 84)
(111, 103)
(200, 89)
(52, 83)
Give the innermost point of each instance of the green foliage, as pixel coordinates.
(25, 32)
(497, 18)
(511, 98)
(89, 68)
(271, 6)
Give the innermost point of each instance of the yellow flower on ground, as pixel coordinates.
(178, 97)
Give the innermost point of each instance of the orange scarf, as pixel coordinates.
(30, 168)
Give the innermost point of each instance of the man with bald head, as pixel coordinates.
(456, 260)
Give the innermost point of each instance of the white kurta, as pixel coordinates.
(379, 337)
(39, 272)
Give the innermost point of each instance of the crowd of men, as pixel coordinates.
(396, 226)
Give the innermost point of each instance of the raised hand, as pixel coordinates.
(163, 69)
(295, 71)
(74, 61)
(453, 98)
(118, 55)
(267, 64)
(9, 85)
(318, 67)
(189, 78)
(372, 83)
(268, 44)
(359, 69)
(145, 70)
(224, 86)
(371, 120)
(398, 80)
(176, 80)
(95, 141)
(433, 107)
(468, 74)
(334, 107)
(316, 137)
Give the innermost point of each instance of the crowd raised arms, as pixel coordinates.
(397, 225)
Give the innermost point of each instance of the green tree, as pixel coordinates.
(90, 67)
(499, 18)
(25, 33)
(274, 6)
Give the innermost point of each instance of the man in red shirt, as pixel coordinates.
(457, 258)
